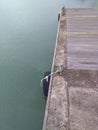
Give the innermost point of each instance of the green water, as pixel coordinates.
(27, 38)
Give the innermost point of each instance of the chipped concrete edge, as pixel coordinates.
(50, 86)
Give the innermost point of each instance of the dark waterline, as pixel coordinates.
(27, 38)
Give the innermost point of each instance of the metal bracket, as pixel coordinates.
(59, 69)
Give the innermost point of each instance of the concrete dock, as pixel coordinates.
(72, 102)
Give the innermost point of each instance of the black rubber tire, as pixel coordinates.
(58, 17)
(46, 83)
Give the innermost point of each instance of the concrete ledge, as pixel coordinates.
(56, 114)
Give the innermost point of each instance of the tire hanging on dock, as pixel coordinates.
(45, 83)
(58, 16)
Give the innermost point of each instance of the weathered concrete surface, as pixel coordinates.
(72, 102)
(83, 109)
(82, 39)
